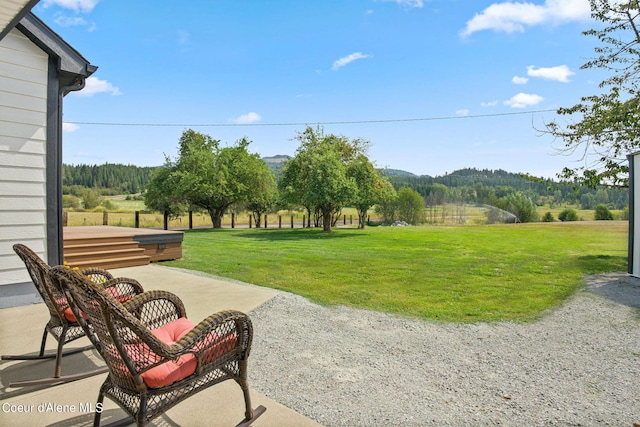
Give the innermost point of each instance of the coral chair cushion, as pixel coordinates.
(113, 291)
(172, 371)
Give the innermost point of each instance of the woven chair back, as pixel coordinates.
(118, 334)
(38, 270)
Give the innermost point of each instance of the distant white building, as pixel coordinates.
(37, 69)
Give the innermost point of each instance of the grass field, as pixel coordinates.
(462, 274)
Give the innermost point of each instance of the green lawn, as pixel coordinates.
(461, 274)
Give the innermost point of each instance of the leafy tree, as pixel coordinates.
(210, 177)
(70, 202)
(262, 197)
(587, 201)
(162, 192)
(388, 206)
(521, 206)
(371, 188)
(607, 128)
(568, 215)
(410, 206)
(91, 199)
(603, 213)
(316, 177)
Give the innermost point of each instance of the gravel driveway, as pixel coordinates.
(577, 365)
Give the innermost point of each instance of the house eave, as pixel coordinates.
(70, 62)
(13, 12)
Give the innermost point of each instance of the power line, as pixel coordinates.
(350, 122)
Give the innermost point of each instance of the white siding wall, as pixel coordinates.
(23, 106)
(634, 247)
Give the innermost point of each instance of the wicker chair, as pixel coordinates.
(62, 323)
(156, 357)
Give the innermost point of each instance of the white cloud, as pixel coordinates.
(408, 3)
(248, 118)
(523, 100)
(560, 73)
(69, 127)
(348, 59)
(511, 17)
(95, 85)
(519, 80)
(489, 104)
(463, 112)
(84, 6)
(70, 21)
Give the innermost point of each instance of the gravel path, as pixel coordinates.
(578, 365)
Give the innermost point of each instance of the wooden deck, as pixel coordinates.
(115, 247)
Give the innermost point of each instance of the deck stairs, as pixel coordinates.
(104, 252)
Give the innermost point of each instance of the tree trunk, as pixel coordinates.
(258, 219)
(361, 217)
(216, 217)
(326, 220)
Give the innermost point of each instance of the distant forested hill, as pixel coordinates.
(468, 185)
(122, 179)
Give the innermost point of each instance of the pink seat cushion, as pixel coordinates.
(113, 291)
(186, 365)
(172, 371)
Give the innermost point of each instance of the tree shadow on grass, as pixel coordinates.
(594, 264)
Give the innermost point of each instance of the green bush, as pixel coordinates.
(70, 202)
(603, 213)
(548, 217)
(568, 215)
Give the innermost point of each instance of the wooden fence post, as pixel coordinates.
(265, 220)
(279, 221)
(136, 219)
(166, 220)
(351, 219)
(233, 220)
(105, 218)
(250, 225)
(344, 220)
(291, 221)
(190, 220)
(303, 220)
(65, 218)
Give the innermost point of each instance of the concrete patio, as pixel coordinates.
(71, 404)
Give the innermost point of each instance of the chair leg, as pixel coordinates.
(44, 341)
(58, 380)
(59, 353)
(250, 414)
(99, 404)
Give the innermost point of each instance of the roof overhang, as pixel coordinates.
(11, 12)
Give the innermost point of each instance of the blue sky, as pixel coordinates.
(476, 73)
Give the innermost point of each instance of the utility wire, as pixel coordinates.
(351, 122)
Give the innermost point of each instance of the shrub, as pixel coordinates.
(603, 213)
(70, 202)
(522, 207)
(548, 217)
(568, 215)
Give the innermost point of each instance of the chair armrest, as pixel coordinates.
(155, 308)
(122, 288)
(97, 275)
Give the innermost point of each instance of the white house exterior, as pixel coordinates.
(37, 68)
